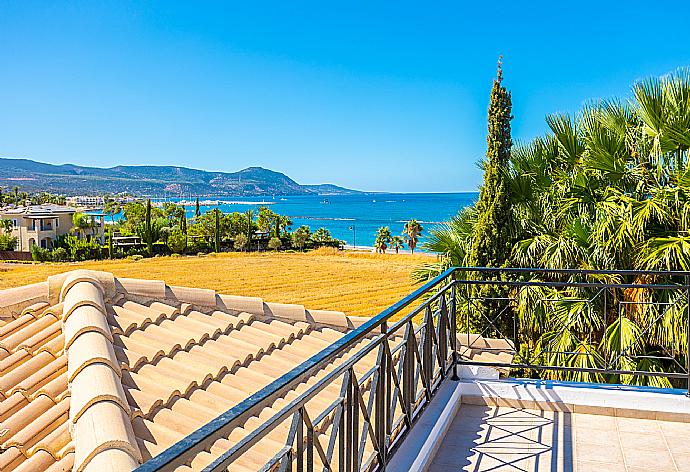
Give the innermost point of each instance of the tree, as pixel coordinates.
(265, 219)
(383, 238)
(217, 233)
(241, 242)
(606, 188)
(397, 243)
(177, 241)
(492, 239)
(8, 242)
(452, 240)
(111, 208)
(6, 225)
(174, 213)
(274, 243)
(15, 190)
(322, 235)
(300, 237)
(134, 216)
(197, 211)
(282, 224)
(81, 222)
(412, 231)
(148, 228)
(250, 225)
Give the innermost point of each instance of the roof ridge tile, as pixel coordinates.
(99, 412)
(85, 320)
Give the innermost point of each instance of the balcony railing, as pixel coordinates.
(388, 370)
(589, 325)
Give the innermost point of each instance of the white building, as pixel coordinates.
(40, 224)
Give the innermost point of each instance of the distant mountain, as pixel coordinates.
(70, 179)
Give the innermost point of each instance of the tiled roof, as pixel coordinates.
(45, 210)
(103, 373)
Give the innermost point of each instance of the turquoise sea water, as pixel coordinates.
(353, 218)
(363, 213)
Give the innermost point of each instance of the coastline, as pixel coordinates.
(372, 250)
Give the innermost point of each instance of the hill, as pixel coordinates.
(71, 179)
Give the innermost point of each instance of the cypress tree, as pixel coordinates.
(148, 228)
(110, 242)
(492, 234)
(250, 217)
(197, 213)
(217, 231)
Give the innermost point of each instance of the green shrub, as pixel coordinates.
(40, 254)
(8, 242)
(195, 246)
(81, 249)
(212, 254)
(241, 242)
(60, 254)
(135, 257)
(275, 243)
(177, 241)
(322, 235)
(300, 237)
(175, 255)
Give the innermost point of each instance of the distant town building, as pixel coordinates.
(96, 200)
(40, 224)
(85, 200)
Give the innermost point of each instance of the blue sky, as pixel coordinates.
(369, 95)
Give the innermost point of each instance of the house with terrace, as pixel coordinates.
(40, 225)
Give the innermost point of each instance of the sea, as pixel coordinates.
(355, 218)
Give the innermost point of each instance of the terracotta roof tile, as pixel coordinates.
(15, 300)
(114, 371)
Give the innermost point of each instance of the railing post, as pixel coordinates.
(408, 370)
(442, 336)
(428, 348)
(310, 443)
(300, 442)
(381, 403)
(452, 320)
(687, 332)
(350, 433)
(355, 420)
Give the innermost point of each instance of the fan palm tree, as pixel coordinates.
(412, 231)
(81, 222)
(6, 225)
(606, 188)
(383, 238)
(111, 208)
(397, 243)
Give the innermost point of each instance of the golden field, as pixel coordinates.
(359, 284)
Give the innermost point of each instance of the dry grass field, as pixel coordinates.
(358, 284)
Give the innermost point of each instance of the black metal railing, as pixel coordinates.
(622, 326)
(349, 406)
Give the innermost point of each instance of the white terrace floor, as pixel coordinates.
(487, 438)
